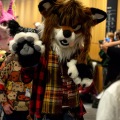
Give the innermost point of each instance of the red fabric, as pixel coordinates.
(91, 89)
(82, 109)
(2, 87)
(36, 73)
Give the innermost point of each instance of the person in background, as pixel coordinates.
(111, 96)
(105, 58)
(117, 35)
(104, 62)
(113, 68)
(109, 37)
(116, 41)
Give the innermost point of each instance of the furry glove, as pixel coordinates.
(80, 73)
(28, 47)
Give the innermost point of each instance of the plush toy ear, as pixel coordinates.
(45, 5)
(98, 15)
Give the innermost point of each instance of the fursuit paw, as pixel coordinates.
(86, 82)
(28, 47)
(73, 72)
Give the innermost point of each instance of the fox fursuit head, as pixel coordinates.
(68, 26)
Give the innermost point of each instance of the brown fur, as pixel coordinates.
(69, 13)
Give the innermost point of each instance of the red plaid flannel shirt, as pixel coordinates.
(38, 74)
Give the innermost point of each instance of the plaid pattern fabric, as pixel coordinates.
(53, 92)
(56, 95)
(70, 92)
(60, 89)
(38, 74)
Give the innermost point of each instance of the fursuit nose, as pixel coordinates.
(67, 33)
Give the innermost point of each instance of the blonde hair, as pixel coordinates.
(110, 35)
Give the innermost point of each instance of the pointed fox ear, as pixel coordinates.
(98, 15)
(45, 5)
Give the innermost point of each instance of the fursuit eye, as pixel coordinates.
(76, 28)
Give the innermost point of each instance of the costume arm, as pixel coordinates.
(110, 44)
(106, 45)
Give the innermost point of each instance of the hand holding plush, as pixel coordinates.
(86, 74)
(73, 72)
(28, 47)
(80, 73)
